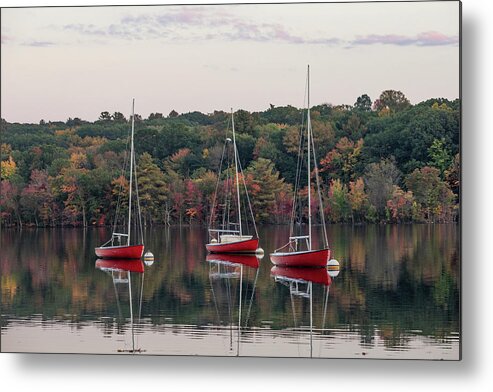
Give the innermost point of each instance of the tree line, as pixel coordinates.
(379, 161)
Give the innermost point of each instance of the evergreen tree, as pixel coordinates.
(152, 189)
(264, 184)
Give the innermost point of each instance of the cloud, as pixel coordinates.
(429, 38)
(194, 23)
(243, 31)
(434, 38)
(187, 24)
(39, 44)
(88, 29)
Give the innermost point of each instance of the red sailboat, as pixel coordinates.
(298, 252)
(228, 236)
(119, 246)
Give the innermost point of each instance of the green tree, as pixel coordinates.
(119, 199)
(155, 116)
(380, 179)
(118, 117)
(105, 116)
(363, 103)
(153, 189)
(439, 156)
(206, 182)
(339, 202)
(392, 100)
(264, 148)
(408, 135)
(74, 122)
(323, 138)
(244, 121)
(434, 195)
(282, 115)
(358, 199)
(264, 184)
(341, 161)
(176, 199)
(85, 191)
(452, 174)
(354, 128)
(74, 186)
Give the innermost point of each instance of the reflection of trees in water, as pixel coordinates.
(388, 252)
(392, 336)
(394, 278)
(296, 309)
(46, 267)
(381, 252)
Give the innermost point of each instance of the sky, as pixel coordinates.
(61, 62)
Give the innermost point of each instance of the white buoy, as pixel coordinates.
(148, 258)
(259, 253)
(333, 268)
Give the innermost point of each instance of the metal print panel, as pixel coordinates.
(258, 180)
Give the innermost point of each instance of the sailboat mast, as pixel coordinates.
(131, 172)
(236, 170)
(309, 126)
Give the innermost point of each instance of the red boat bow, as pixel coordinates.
(308, 258)
(120, 252)
(246, 246)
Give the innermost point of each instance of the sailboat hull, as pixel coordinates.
(309, 258)
(247, 246)
(120, 252)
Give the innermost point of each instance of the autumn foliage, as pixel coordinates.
(389, 161)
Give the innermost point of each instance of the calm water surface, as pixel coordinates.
(396, 296)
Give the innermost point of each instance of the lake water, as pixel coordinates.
(397, 296)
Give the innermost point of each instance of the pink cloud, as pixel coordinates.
(429, 38)
(432, 38)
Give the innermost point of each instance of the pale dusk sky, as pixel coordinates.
(66, 62)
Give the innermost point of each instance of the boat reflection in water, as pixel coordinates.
(223, 270)
(120, 272)
(300, 283)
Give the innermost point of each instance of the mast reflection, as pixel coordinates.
(300, 283)
(223, 269)
(120, 272)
